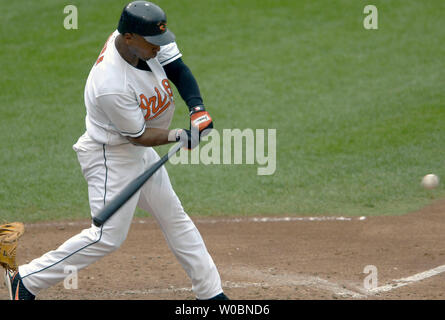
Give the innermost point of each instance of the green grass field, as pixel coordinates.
(359, 114)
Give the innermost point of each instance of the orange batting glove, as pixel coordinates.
(200, 118)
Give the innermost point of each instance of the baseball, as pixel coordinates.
(430, 181)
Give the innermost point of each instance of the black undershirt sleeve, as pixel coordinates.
(183, 79)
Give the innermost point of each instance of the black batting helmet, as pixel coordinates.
(147, 20)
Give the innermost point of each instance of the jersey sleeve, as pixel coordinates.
(124, 113)
(168, 53)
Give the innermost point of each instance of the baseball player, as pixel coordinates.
(129, 107)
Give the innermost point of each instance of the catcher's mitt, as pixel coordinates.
(9, 236)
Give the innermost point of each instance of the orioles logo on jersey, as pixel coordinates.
(155, 105)
(162, 26)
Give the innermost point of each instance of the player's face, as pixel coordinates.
(140, 47)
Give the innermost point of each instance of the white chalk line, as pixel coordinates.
(205, 221)
(279, 219)
(407, 281)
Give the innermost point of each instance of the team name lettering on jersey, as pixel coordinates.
(157, 104)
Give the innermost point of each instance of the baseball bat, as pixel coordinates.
(119, 200)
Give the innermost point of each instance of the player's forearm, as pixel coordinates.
(151, 137)
(182, 77)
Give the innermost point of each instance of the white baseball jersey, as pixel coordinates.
(122, 100)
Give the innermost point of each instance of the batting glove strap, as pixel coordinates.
(196, 109)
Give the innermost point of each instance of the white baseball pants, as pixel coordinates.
(107, 169)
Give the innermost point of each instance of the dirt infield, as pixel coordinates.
(266, 258)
